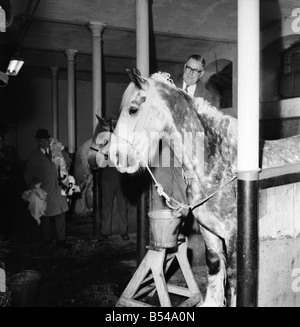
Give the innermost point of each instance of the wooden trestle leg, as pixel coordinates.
(149, 278)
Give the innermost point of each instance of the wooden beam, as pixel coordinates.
(279, 171)
(276, 176)
(132, 30)
(55, 36)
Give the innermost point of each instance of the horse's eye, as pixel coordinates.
(133, 110)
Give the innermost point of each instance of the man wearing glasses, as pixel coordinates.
(191, 80)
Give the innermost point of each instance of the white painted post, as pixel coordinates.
(142, 63)
(54, 72)
(248, 84)
(248, 152)
(142, 36)
(71, 53)
(97, 28)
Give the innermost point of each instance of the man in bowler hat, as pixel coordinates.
(39, 168)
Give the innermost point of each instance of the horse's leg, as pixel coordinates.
(216, 264)
(231, 267)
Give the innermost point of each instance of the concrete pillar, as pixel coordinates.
(248, 84)
(54, 73)
(142, 36)
(234, 86)
(71, 53)
(142, 63)
(248, 152)
(97, 29)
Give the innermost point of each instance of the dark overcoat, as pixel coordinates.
(39, 169)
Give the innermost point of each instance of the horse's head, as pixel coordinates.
(142, 118)
(151, 109)
(98, 153)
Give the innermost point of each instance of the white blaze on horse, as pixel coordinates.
(153, 108)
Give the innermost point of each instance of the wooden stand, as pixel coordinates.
(150, 278)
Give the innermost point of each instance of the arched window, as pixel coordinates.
(222, 82)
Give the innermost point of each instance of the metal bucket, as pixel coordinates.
(23, 287)
(164, 227)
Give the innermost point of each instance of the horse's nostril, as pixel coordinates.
(117, 159)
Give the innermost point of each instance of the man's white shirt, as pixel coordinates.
(191, 88)
(44, 150)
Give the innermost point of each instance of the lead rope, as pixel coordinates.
(212, 194)
(180, 207)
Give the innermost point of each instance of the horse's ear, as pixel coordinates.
(136, 78)
(100, 119)
(136, 71)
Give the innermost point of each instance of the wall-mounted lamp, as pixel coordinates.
(14, 66)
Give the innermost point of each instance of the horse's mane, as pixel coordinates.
(163, 77)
